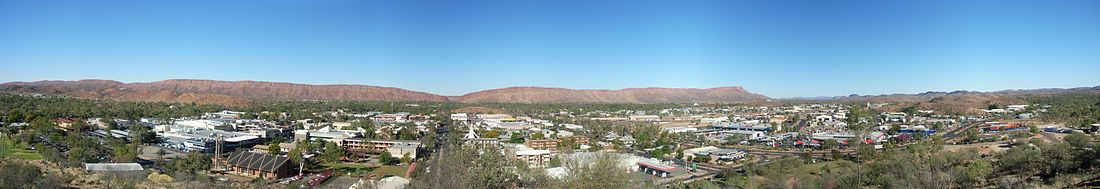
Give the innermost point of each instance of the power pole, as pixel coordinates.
(217, 151)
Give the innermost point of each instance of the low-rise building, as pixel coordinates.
(534, 158)
(546, 144)
(258, 165)
(366, 148)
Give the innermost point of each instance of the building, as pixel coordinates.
(258, 165)
(1016, 108)
(460, 117)
(580, 139)
(283, 147)
(394, 182)
(366, 148)
(400, 117)
(655, 168)
(893, 117)
(113, 167)
(327, 134)
(691, 153)
(742, 127)
(681, 129)
(627, 140)
(1001, 126)
(203, 123)
(65, 123)
(534, 158)
(547, 144)
(645, 118)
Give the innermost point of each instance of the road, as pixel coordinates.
(955, 133)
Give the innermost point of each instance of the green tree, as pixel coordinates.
(910, 110)
(830, 144)
(332, 153)
(602, 170)
(274, 149)
(491, 134)
(19, 175)
(368, 126)
(537, 136)
(407, 133)
(125, 153)
(140, 134)
(517, 138)
(406, 158)
(974, 173)
(385, 158)
(701, 159)
(160, 155)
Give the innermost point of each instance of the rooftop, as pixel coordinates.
(113, 167)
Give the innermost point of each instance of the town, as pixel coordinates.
(549, 94)
(654, 145)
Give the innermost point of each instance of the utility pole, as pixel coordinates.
(217, 151)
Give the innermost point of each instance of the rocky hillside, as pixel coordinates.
(967, 102)
(245, 92)
(215, 92)
(631, 95)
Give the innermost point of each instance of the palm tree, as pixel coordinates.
(160, 156)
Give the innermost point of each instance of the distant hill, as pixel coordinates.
(246, 92)
(631, 95)
(969, 102)
(215, 92)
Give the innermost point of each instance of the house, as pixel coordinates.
(402, 149)
(874, 137)
(627, 140)
(1025, 116)
(258, 165)
(65, 123)
(394, 182)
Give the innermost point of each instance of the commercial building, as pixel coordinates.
(546, 144)
(534, 158)
(366, 148)
(258, 165)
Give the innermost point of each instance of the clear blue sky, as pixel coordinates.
(775, 47)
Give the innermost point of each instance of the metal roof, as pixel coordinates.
(113, 167)
(264, 162)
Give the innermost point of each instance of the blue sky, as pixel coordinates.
(779, 48)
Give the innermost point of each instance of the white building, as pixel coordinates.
(460, 117)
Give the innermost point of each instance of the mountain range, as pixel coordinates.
(245, 92)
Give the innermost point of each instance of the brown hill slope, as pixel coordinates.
(245, 92)
(967, 102)
(631, 95)
(215, 92)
